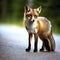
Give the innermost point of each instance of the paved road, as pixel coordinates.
(14, 40)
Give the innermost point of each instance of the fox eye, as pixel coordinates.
(28, 15)
(35, 16)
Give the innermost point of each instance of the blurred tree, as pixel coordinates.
(16, 8)
(4, 8)
(12, 8)
(0, 7)
(53, 3)
(54, 8)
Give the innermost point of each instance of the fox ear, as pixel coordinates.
(27, 8)
(39, 9)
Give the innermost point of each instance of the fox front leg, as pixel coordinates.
(29, 46)
(36, 41)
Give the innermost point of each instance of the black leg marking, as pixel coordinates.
(36, 41)
(29, 46)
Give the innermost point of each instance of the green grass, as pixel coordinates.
(12, 22)
(55, 27)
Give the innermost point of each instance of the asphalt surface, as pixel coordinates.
(14, 41)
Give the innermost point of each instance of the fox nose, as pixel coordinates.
(33, 20)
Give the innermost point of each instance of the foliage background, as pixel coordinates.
(12, 11)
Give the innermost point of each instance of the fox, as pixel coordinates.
(39, 27)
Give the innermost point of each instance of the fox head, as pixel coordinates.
(31, 14)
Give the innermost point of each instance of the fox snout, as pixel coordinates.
(30, 18)
(31, 21)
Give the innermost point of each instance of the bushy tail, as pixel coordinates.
(52, 41)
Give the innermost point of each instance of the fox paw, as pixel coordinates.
(41, 50)
(27, 50)
(35, 50)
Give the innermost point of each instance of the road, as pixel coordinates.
(14, 41)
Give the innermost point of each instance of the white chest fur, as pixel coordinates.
(31, 28)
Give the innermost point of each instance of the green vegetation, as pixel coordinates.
(12, 22)
(12, 11)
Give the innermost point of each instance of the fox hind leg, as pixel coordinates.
(50, 43)
(42, 49)
(45, 45)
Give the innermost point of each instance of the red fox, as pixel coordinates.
(39, 27)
